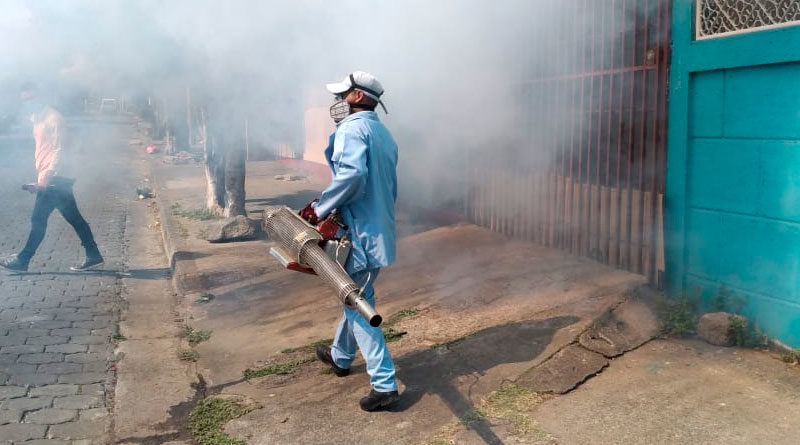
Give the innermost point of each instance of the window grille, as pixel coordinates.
(718, 18)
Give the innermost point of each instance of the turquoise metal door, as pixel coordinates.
(733, 158)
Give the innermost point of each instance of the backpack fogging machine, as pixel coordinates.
(316, 250)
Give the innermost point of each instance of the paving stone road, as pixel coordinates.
(57, 327)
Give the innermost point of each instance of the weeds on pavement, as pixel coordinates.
(189, 356)
(208, 417)
(277, 368)
(311, 347)
(199, 214)
(195, 337)
(205, 298)
(680, 317)
(511, 404)
(792, 356)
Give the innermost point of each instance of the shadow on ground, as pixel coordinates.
(430, 371)
(294, 201)
(433, 371)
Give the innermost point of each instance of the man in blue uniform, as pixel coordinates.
(363, 158)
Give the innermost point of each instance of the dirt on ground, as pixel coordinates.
(468, 312)
(681, 392)
(468, 309)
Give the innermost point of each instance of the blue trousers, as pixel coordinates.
(62, 198)
(354, 331)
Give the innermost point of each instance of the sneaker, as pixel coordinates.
(376, 400)
(324, 355)
(14, 263)
(89, 264)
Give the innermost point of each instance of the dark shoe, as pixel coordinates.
(376, 400)
(14, 263)
(89, 264)
(324, 355)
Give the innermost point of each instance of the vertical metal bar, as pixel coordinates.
(552, 150)
(588, 202)
(609, 35)
(581, 111)
(568, 177)
(630, 147)
(643, 139)
(662, 162)
(540, 144)
(660, 126)
(598, 158)
(620, 135)
(544, 154)
(557, 164)
(529, 185)
(650, 260)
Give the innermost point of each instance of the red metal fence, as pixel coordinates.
(588, 174)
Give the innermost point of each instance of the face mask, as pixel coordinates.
(340, 110)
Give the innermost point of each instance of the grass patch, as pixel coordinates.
(404, 313)
(205, 298)
(472, 416)
(209, 417)
(311, 347)
(195, 337)
(744, 335)
(183, 232)
(792, 356)
(202, 234)
(511, 404)
(199, 214)
(277, 368)
(189, 356)
(389, 332)
(680, 317)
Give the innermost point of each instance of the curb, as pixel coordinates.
(167, 228)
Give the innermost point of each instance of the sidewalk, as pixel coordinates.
(525, 302)
(472, 317)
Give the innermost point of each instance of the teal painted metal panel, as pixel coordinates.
(733, 171)
(760, 256)
(712, 183)
(707, 99)
(702, 249)
(763, 102)
(781, 180)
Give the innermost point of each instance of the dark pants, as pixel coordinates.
(59, 197)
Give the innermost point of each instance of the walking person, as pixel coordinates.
(362, 156)
(53, 186)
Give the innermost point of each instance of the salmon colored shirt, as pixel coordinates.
(48, 132)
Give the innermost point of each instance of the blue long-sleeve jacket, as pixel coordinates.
(363, 158)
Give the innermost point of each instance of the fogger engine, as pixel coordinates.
(316, 250)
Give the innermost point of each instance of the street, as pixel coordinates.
(58, 327)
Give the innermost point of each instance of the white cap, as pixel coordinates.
(362, 81)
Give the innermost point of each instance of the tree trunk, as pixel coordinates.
(235, 168)
(189, 118)
(215, 173)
